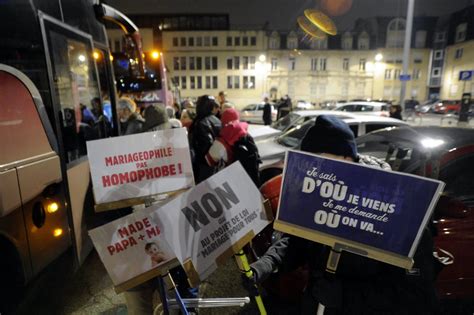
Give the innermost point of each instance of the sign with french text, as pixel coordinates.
(140, 165)
(380, 214)
(131, 246)
(209, 221)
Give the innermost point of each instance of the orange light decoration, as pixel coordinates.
(96, 55)
(57, 232)
(310, 28)
(336, 7)
(321, 21)
(52, 207)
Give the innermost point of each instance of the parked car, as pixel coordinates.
(272, 150)
(448, 107)
(367, 108)
(446, 154)
(303, 105)
(449, 155)
(291, 120)
(253, 113)
(427, 107)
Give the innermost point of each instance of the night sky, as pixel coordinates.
(282, 14)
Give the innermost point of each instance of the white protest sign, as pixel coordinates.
(131, 246)
(204, 223)
(140, 165)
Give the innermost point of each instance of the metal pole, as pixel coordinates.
(406, 50)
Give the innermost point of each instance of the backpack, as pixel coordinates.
(246, 152)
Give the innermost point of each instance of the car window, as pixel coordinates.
(284, 122)
(260, 106)
(372, 127)
(347, 108)
(458, 177)
(250, 107)
(292, 138)
(355, 129)
(364, 108)
(384, 108)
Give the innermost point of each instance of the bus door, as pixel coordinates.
(74, 87)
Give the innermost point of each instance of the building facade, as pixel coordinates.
(362, 63)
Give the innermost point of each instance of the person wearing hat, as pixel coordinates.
(156, 118)
(130, 121)
(360, 285)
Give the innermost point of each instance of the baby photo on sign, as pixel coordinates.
(157, 256)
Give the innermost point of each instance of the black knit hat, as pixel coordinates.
(330, 135)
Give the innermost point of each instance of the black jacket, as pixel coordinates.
(133, 125)
(360, 285)
(267, 114)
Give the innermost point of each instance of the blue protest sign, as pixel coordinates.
(465, 75)
(380, 214)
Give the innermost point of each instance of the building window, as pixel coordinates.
(176, 63)
(192, 63)
(236, 63)
(207, 41)
(207, 64)
(199, 82)
(416, 74)
(363, 41)
(252, 63)
(229, 63)
(236, 82)
(245, 41)
(214, 63)
(292, 41)
(440, 37)
(396, 33)
(183, 63)
(236, 41)
(319, 43)
(274, 42)
(458, 54)
(191, 41)
(396, 75)
(183, 41)
(438, 54)
(215, 41)
(245, 63)
(347, 41)
(253, 41)
(322, 64)
(208, 82)
(198, 63)
(345, 64)
(249, 82)
(230, 80)
(214, 82)
(461, 32)
(388, 74)
(192, 82)
(175, 41)
(314, 64)
(362, 65)
(292, 64)
(420, 39)
(175, 81)
(417, 60)
(436, 73)
(274, 64)
(199, 41)
(183, 83)
(228, 41)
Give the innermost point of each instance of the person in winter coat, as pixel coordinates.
(267, 112)
(204, 130)
(156, 118)
(360, 285)
(130, 121)
(232, 130)
(396, 112)
(188, 114)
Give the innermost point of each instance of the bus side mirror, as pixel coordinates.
(452, 208)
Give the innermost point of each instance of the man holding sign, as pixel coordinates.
(357, 284)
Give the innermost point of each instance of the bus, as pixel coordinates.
(56, 77)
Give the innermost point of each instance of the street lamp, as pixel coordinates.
(262, 58)
(378, 57)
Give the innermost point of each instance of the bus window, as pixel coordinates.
(102, 107)
(76, 87)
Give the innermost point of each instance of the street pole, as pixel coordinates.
(406, 50)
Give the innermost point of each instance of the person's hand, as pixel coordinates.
(250, 284)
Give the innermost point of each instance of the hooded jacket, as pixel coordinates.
(360, 285)
(231, 132)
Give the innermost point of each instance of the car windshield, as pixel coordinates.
(401, 155)
(285, 122)
(292, 138)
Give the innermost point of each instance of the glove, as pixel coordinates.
(250, 284)
(328, 292)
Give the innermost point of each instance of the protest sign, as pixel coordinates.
(212, 221)
(140, 165)
(133, 247)
(376, 213)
